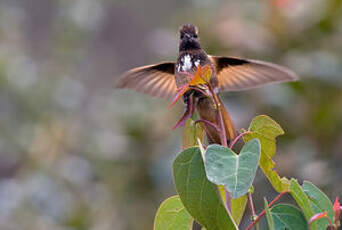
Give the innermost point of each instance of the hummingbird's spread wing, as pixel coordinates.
(156, 80)
(236, 74)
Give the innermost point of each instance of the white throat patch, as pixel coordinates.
(187, 63)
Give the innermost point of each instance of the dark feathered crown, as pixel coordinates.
(188, 29)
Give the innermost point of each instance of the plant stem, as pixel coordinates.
(237, 138)
(228, 200)
(264, 212)
(332, 227)
(251, 206)
(208, 123)
(223, 135)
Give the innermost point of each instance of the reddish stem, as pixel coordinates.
(237, 138)
(332, 227)
(251, 205)
(223, 135)
(208, 123)
(264, 212)
(228, 200)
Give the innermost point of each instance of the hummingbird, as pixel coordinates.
(227, 74)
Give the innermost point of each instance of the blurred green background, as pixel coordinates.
(77, 154)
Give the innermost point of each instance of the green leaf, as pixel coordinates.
(266, 130)
(288, 217)
(191, 132)
(235, 172)
(320, 203)
(238, 206)
(269, 216)
(172, 215)
(302, 200)
(199, 196)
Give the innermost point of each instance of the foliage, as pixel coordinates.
(212, 185)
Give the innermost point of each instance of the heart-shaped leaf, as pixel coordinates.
(172, 215)
(199, 196)
(235, 172)
(266, 130)
(288, 217)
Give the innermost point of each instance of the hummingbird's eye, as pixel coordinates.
(195, 36)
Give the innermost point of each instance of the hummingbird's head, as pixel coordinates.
(188, 37)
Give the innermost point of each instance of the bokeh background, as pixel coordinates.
(76, 154)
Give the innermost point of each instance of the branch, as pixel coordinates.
(251, 205)
(223, 135)
(237, 138)
(264, 212)
(208, 123)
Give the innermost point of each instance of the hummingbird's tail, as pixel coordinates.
(207, 111)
